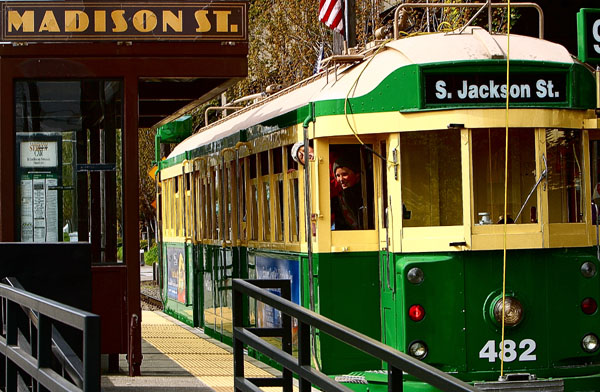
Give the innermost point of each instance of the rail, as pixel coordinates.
(33, 360)
(398, 362)
(489, 5)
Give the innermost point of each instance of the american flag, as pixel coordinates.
(331, 12)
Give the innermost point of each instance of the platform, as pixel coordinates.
(178, 358)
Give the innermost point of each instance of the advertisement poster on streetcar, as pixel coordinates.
(176, 274)
(275, 268)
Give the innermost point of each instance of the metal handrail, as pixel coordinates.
(469, 5)
(39, 364)
(60, 347)
(398, 362)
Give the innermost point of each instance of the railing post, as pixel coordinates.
(10, 371)
(395, 382)
(304, 353)
(91, 354)
(238, 322)
(44, 345)
(286, 341)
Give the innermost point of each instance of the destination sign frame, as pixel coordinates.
(111, 21)
(539, 88)
(588, 35)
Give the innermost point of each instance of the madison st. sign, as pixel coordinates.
(127, 21)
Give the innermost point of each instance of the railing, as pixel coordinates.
(489, 5)
(398, 362)
(27, 348)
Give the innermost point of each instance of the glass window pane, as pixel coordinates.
(431, 178)
(68, 151)
(488, 152)
(351, 187)
(565, 198)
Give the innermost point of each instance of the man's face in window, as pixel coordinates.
(346, 177)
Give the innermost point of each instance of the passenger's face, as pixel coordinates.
(301, 154)
(346, 177)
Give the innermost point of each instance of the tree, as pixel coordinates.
(147, 193)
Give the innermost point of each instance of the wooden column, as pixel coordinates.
(131, 223)
(7, 154)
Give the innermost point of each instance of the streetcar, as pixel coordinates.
(415, 256)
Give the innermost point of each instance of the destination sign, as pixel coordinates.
(74, 21)
(588, 35)
(491, 88)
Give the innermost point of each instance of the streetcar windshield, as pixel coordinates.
(488, 153)
(565, 160)
(431, 178)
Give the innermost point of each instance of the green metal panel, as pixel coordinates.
(442, 295)
(348, 293)
(176, 130)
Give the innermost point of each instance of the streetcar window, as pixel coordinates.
(431, 178)
(242, 198)
(254, 211)
(177, 208)
(252, 166)
(277, 161)
(278, 199)
(488, 154)
(351, 187)
(292, 198)
(227, 203)
(294, 210)
(264, 163)
(216, 202)
(208, 218)
(565, 168)
(291, 163)
(384, 196)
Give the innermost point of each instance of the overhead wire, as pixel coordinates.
(505, 217)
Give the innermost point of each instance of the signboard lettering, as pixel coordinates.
(39, 154)
(51, 21)
(491, 88)
(588, 35)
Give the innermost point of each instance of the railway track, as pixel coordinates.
(151, 301)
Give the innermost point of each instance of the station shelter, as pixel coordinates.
(77, 81)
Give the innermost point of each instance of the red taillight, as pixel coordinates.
(589, 306)
(416, 313)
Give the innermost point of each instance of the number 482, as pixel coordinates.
(510, 350)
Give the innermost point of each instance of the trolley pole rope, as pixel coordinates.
(505, 184)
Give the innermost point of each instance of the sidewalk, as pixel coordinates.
(178, 358)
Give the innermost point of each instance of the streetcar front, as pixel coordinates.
(488, 259)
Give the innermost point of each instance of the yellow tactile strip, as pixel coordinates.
(210, 363)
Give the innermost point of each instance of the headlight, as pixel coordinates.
(590, 343)
(418, 349)
(415, 275)
(588, 269)
(513, 311)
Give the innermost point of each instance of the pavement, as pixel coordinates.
(179, 358)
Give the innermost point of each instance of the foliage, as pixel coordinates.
(286, 38)
(151, 256)
(147, 186)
